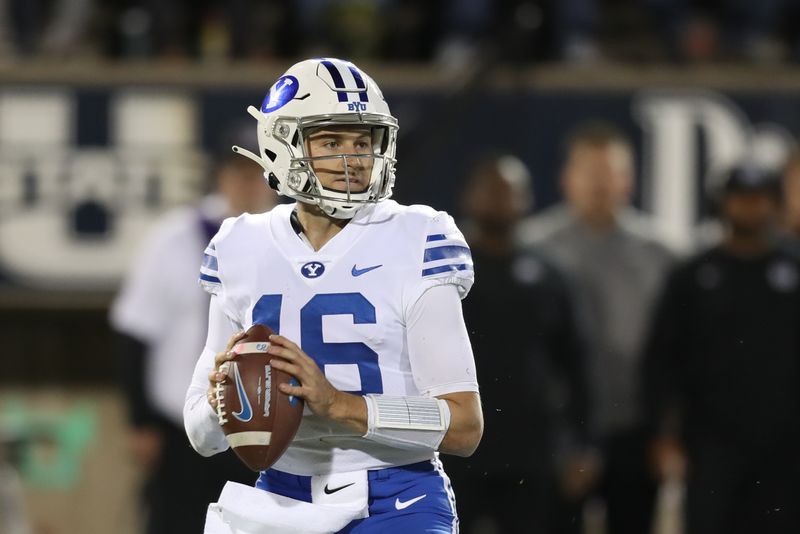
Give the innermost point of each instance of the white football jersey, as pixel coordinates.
(347, 306)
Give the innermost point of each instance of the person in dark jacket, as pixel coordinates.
(723, 371)
(529, 353)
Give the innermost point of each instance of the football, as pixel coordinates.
(259, 421)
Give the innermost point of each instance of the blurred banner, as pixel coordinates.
(64, 464)
(85, 172)
(82, 176)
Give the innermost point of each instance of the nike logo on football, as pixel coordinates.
(402, 505)
(358, 272)
(246, 413)
(334, 490)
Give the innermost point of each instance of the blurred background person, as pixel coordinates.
(575, 23)
(723, 371)
(160, 319)
(455, 33)
(49, 28)
(357, 30)
(704, 30)
(207, 30)
(617, 267)
(529, 352)
(790, 216)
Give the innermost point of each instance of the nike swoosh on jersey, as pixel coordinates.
(334, 490)
(402, 505)
(358, 272)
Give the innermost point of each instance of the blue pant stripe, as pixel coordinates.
(448, 488)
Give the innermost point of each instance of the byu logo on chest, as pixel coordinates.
(312, 269)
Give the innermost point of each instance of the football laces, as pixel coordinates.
(220, 396)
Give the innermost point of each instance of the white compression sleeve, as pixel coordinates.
(441, 363)
(199, 418)
(438, 344)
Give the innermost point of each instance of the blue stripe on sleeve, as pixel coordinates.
(447, 268)
(210, 262)
(436, 237)
(445, 252)
(208, 278)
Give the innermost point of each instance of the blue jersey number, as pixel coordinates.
(267, 311)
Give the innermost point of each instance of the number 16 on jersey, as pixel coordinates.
(267, 311)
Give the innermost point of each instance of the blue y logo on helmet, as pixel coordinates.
(280, 94)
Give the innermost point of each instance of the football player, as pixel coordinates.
(365, 296)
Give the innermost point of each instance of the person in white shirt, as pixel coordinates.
(159, 318)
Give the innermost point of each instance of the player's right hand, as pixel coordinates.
(216, 375)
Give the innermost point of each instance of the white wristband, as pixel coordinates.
(410, 423)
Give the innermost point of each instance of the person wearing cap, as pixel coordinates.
(722, 370)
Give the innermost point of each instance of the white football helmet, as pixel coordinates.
(313, 94)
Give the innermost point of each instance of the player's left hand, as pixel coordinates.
(314, 388)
